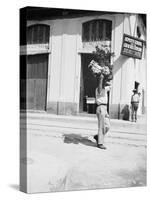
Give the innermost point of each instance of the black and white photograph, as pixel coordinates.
(83, 99)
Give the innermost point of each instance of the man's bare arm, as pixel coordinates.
(100, 84)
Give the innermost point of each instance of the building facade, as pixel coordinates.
(57, 55)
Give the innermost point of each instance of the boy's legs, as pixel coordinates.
(135, 110)
(132, 112)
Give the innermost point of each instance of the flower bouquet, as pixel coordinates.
(97, 69)
(100, 65)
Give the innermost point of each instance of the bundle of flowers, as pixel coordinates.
(100, 64)
(105, 70)
(97, 69)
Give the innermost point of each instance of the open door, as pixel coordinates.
(88, 84)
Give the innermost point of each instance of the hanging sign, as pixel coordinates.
(132, 47)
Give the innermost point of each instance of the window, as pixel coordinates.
(96, 30)
(38, 34)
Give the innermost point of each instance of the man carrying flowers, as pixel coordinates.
(104, 75)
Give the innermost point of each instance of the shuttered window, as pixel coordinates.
(38, 34)
(96, 30)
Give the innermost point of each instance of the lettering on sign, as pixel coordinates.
(132, 47)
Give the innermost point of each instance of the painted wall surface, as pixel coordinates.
(65, 64)
(117, 69)
(62, 84)
(126, 70)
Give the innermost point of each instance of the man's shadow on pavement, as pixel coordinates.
(76, 139)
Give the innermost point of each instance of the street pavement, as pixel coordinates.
(62, 154)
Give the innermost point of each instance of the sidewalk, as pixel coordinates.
(92, 117)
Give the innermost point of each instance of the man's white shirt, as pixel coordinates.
(101, 98)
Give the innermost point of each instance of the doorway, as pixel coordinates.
(34, 94)
(88, 84)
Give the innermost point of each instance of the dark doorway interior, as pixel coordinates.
(108, 96)
(88, 84)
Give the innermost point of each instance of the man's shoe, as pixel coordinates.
(101, 146)
(96, 138)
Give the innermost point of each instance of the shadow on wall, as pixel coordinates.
(120, 111)
(125, 113)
